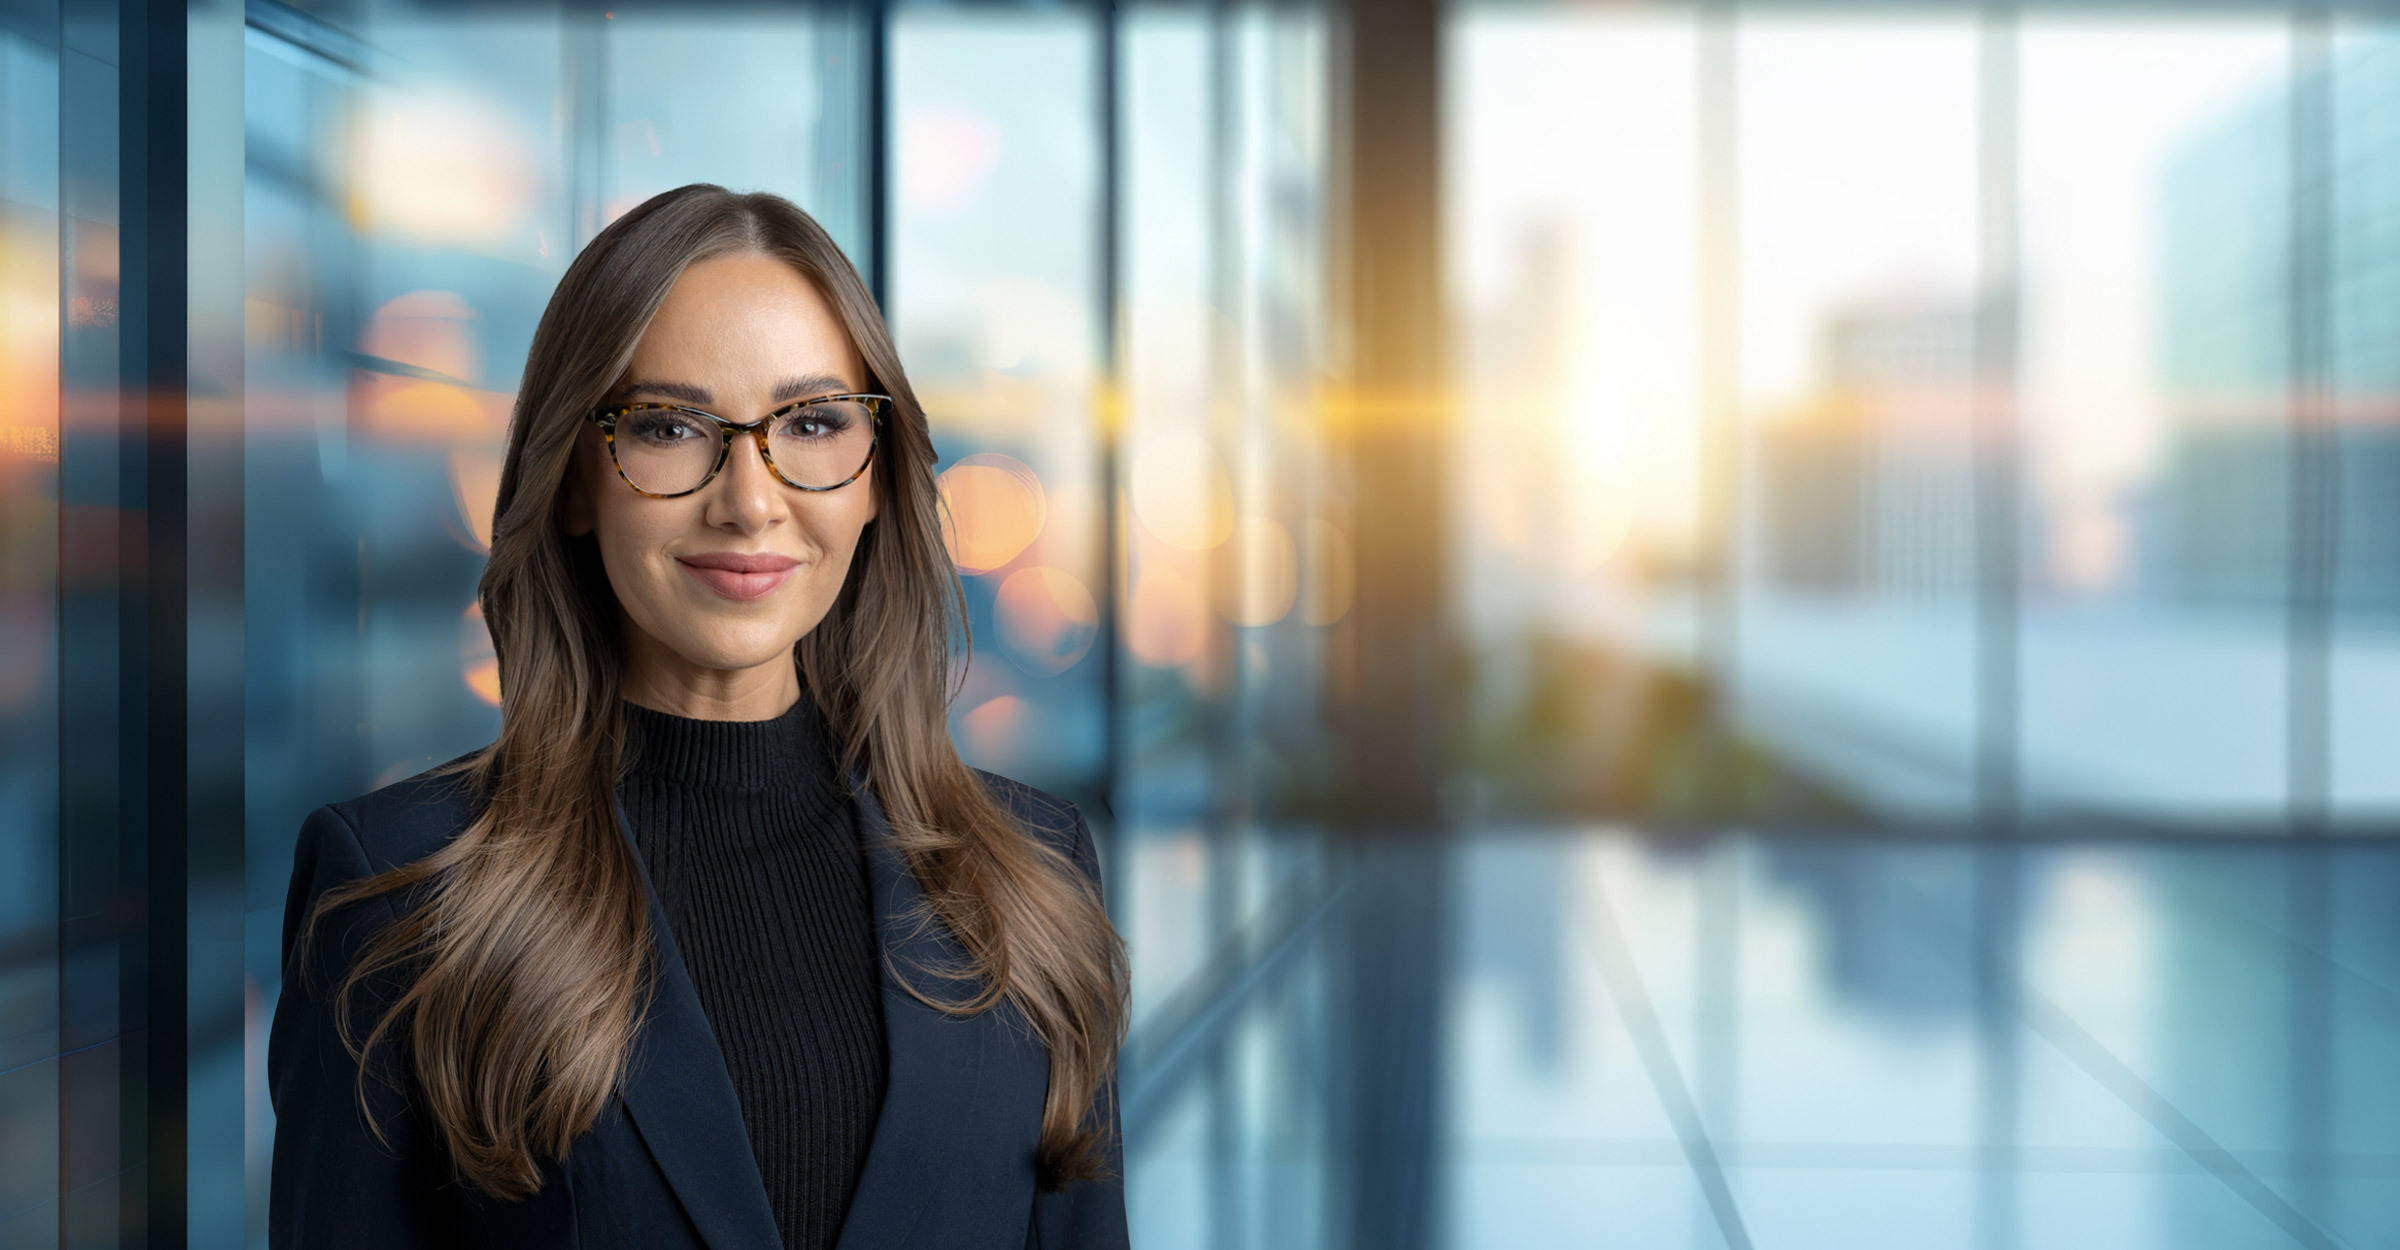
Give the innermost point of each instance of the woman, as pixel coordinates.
(719, 944)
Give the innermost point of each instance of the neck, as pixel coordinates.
(762, 692)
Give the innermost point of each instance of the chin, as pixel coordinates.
(732, 655)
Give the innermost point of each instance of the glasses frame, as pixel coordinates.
(607, 416)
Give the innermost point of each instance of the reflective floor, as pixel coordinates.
(1586, 1038)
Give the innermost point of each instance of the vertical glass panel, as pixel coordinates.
(1858, 299)
(994, 303)
(2362, 380)
(30, 308)
(405, 225)
(1281, 580)
(1236, 556)
(1176, 494)
(1572, 234)
(2156, 249)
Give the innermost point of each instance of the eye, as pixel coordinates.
(814, 423)
(660, 429)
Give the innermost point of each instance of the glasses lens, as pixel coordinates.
(666, 452)
(823, 444)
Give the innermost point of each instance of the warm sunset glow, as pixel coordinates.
(995, 508)
(29, 346)
(1598, 520)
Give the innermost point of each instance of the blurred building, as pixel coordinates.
(1871, 486)
(2238, 355)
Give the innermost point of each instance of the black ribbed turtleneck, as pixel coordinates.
(752, 845)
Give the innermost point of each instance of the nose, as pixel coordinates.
(747, 496)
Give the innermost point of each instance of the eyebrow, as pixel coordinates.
(798, 387)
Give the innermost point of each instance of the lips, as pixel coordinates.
(736, 575)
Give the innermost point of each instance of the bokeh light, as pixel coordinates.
(993, 728)
(996, 509)
(415, 380)
(475, 487)
(1167, 622)
(479, 664)
(1047, 619)
(443, 167)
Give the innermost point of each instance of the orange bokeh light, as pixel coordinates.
(475, 485)
(479, 666)
(995, 509)
(435, 332)
(993, 727)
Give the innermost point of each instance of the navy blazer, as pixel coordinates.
(669, 1165)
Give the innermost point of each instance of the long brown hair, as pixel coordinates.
(527, 966)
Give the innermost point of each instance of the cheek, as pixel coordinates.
(631, 529)
(843, 525)
(835, 530)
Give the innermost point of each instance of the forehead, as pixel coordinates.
(742, 324)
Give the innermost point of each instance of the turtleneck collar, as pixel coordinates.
(791, 751)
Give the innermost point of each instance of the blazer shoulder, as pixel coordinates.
(1048, 817)
(413, 817)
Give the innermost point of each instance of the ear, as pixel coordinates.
(575, 494)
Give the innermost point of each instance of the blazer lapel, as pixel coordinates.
(925, 1134)
(681, 1099)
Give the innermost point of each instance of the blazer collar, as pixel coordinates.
(681, 1098)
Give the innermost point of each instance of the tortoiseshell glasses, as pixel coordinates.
(666, 450)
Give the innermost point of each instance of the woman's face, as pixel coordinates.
(738, 336)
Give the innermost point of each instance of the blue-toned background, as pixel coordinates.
(1684, 625)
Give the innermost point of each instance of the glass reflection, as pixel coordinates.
(1810, 1023)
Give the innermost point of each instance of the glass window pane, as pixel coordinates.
(1573, 227)
(994, 306)
(2155, 225)
(2362, 377)
(1858, 296)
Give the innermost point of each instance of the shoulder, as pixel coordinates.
(1046, 816)
(371, 834)
(408, 819)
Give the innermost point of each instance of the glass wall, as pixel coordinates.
(34, 1038)
(1934, 418)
